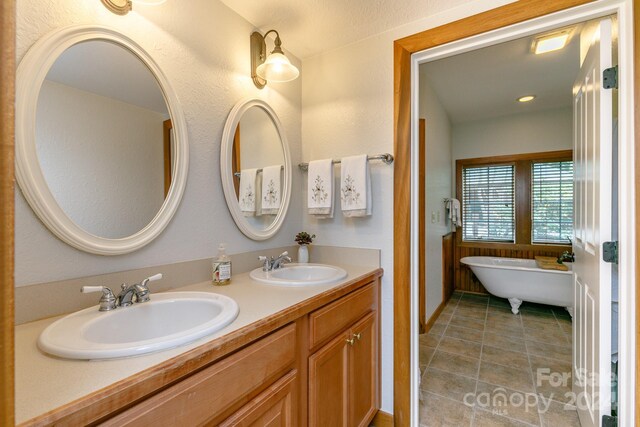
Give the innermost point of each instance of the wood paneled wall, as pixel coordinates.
(448, 251)
(464, 278)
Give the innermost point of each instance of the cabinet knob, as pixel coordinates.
(351, 341)
(357, 336)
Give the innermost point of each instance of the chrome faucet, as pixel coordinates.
(271, 263)
(282, 259)
(125, 298)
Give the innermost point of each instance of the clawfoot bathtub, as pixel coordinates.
(521, 280)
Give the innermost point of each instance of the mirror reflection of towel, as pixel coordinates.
(247, 194)
(320, 188)
(355, 186)
(271, 185)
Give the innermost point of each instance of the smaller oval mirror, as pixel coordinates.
(255, 166)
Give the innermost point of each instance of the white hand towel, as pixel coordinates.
(320, 188)
(453, 205)
(259, 194)
(271, 189)
(247, 197)
(355, 186)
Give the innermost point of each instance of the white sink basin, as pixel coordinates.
(168, 320)
(299, 275)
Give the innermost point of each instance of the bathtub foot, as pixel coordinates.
(570, 310)
(515, 304)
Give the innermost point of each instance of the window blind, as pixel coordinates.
(488, 212)
(552, 202)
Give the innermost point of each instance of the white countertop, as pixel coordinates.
(44, 382)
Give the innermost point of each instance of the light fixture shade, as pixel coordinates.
(277, 68)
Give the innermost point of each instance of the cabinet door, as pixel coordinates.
(272, 408)
(328, 383)
(363, 372)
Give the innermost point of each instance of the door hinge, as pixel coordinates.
(610, 78)
(610, 252)
(609, 421)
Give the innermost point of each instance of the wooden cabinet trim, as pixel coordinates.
(122, 394)
(335, 317)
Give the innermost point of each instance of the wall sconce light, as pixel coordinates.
(122, 7)
(275, 67)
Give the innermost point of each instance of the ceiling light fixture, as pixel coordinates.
(551, 42)
(275, 67)
(122, 7)
(526, 98)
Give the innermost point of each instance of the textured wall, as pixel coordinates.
(116, 184)
(438, 187)
(204, 51)
(348, 109)
(547, 130)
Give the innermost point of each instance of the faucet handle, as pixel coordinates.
(107, 300)
(266, 262)
(153, 278)
(142, 291)
(89, 289)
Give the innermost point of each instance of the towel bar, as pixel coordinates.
(237, 174)
(386, 158)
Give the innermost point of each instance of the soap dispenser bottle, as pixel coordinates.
(221, 266)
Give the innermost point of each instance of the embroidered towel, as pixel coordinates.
(271, 189)
(453, 206)
(247, 192)
(355, 186)
(320, 188)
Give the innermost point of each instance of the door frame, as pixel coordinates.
(7, 98)
(504, 23)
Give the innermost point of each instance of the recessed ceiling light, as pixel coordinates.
(526, 98)
(550, 42)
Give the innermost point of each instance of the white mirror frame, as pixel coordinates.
(30, 75)
(226, 170)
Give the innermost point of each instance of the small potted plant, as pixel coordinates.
(304, 239)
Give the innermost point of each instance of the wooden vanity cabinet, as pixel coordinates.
(343, 373)
(314, 364)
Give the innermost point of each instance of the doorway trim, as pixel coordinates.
(490, 27)
(7, 98)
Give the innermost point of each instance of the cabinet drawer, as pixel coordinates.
(331, 319)
(274, 407)
(206, 395)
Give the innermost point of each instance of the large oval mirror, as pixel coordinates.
(255, 166)
(102, 153)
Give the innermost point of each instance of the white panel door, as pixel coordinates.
(592, 116)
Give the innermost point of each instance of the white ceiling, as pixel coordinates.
(486, 83)
(109, 70)
(308, 27)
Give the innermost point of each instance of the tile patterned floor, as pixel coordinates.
(481, 365)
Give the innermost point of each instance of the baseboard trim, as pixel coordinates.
(382, 419)
(434, 317)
